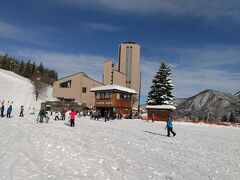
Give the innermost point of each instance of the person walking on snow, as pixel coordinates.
(72, 118)
(63, 112)
(169, 127)
(9, 111)
(57, 115)
(2, 109)
(42, 114)
(21, 112)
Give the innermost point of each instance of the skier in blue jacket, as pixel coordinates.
(9, 111)
(169, 127)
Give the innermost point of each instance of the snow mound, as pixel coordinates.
(19, 90)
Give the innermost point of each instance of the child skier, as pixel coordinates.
(169, 127)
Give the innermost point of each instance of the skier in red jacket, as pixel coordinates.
(72, 118)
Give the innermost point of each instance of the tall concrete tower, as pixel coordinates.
(129, 63)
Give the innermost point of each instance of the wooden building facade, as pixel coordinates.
(114, 99)
(160, 112)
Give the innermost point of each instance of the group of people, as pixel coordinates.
(9, 109)
(57, 115)
(95, 114)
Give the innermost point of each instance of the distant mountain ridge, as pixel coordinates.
(206, 105)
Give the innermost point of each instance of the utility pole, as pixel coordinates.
(139, 93)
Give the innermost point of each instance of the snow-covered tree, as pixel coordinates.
(162, 86)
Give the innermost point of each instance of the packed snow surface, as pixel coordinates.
(117, 149)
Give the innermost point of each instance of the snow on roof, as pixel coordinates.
(161, 107)
(113, 87)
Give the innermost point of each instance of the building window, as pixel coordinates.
(124, 96)
(84, 90)
(128, 65)
(98, 96)
(118, 95)
(66, 84)
(106, 95)
(102, 95)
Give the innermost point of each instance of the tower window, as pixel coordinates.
(84, 90)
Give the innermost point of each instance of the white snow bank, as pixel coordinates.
(19, 90)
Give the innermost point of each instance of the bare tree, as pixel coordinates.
(39, 88)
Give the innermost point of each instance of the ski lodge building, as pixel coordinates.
(76, 88)
(114, 98)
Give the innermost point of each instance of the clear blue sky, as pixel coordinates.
(199, 39)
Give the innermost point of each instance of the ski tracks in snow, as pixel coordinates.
(120, 149)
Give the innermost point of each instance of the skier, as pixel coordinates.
(57, 114)
(9, 111)
(169, 127)
(42, 114)
(106, 115)
(2, 109)
(47, 117)
(63, 112)
(21, 112)
(72, 116)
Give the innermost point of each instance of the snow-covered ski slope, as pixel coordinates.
(116, 150)
(19, 90)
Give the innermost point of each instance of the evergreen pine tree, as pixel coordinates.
(21, 68)
(232, 118)
(33, 69)
(224, 118)
(41, 68)
(5, 62)
(27, 70)
(161, 89)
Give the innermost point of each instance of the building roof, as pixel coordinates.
(73, 75)
(113, 87)
(170, 107)
(84, 74)
(129, 42)
(118, 71)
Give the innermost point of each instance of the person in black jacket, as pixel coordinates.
(106, 115)
(2, 109)
(42, 114)
(21, 111)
